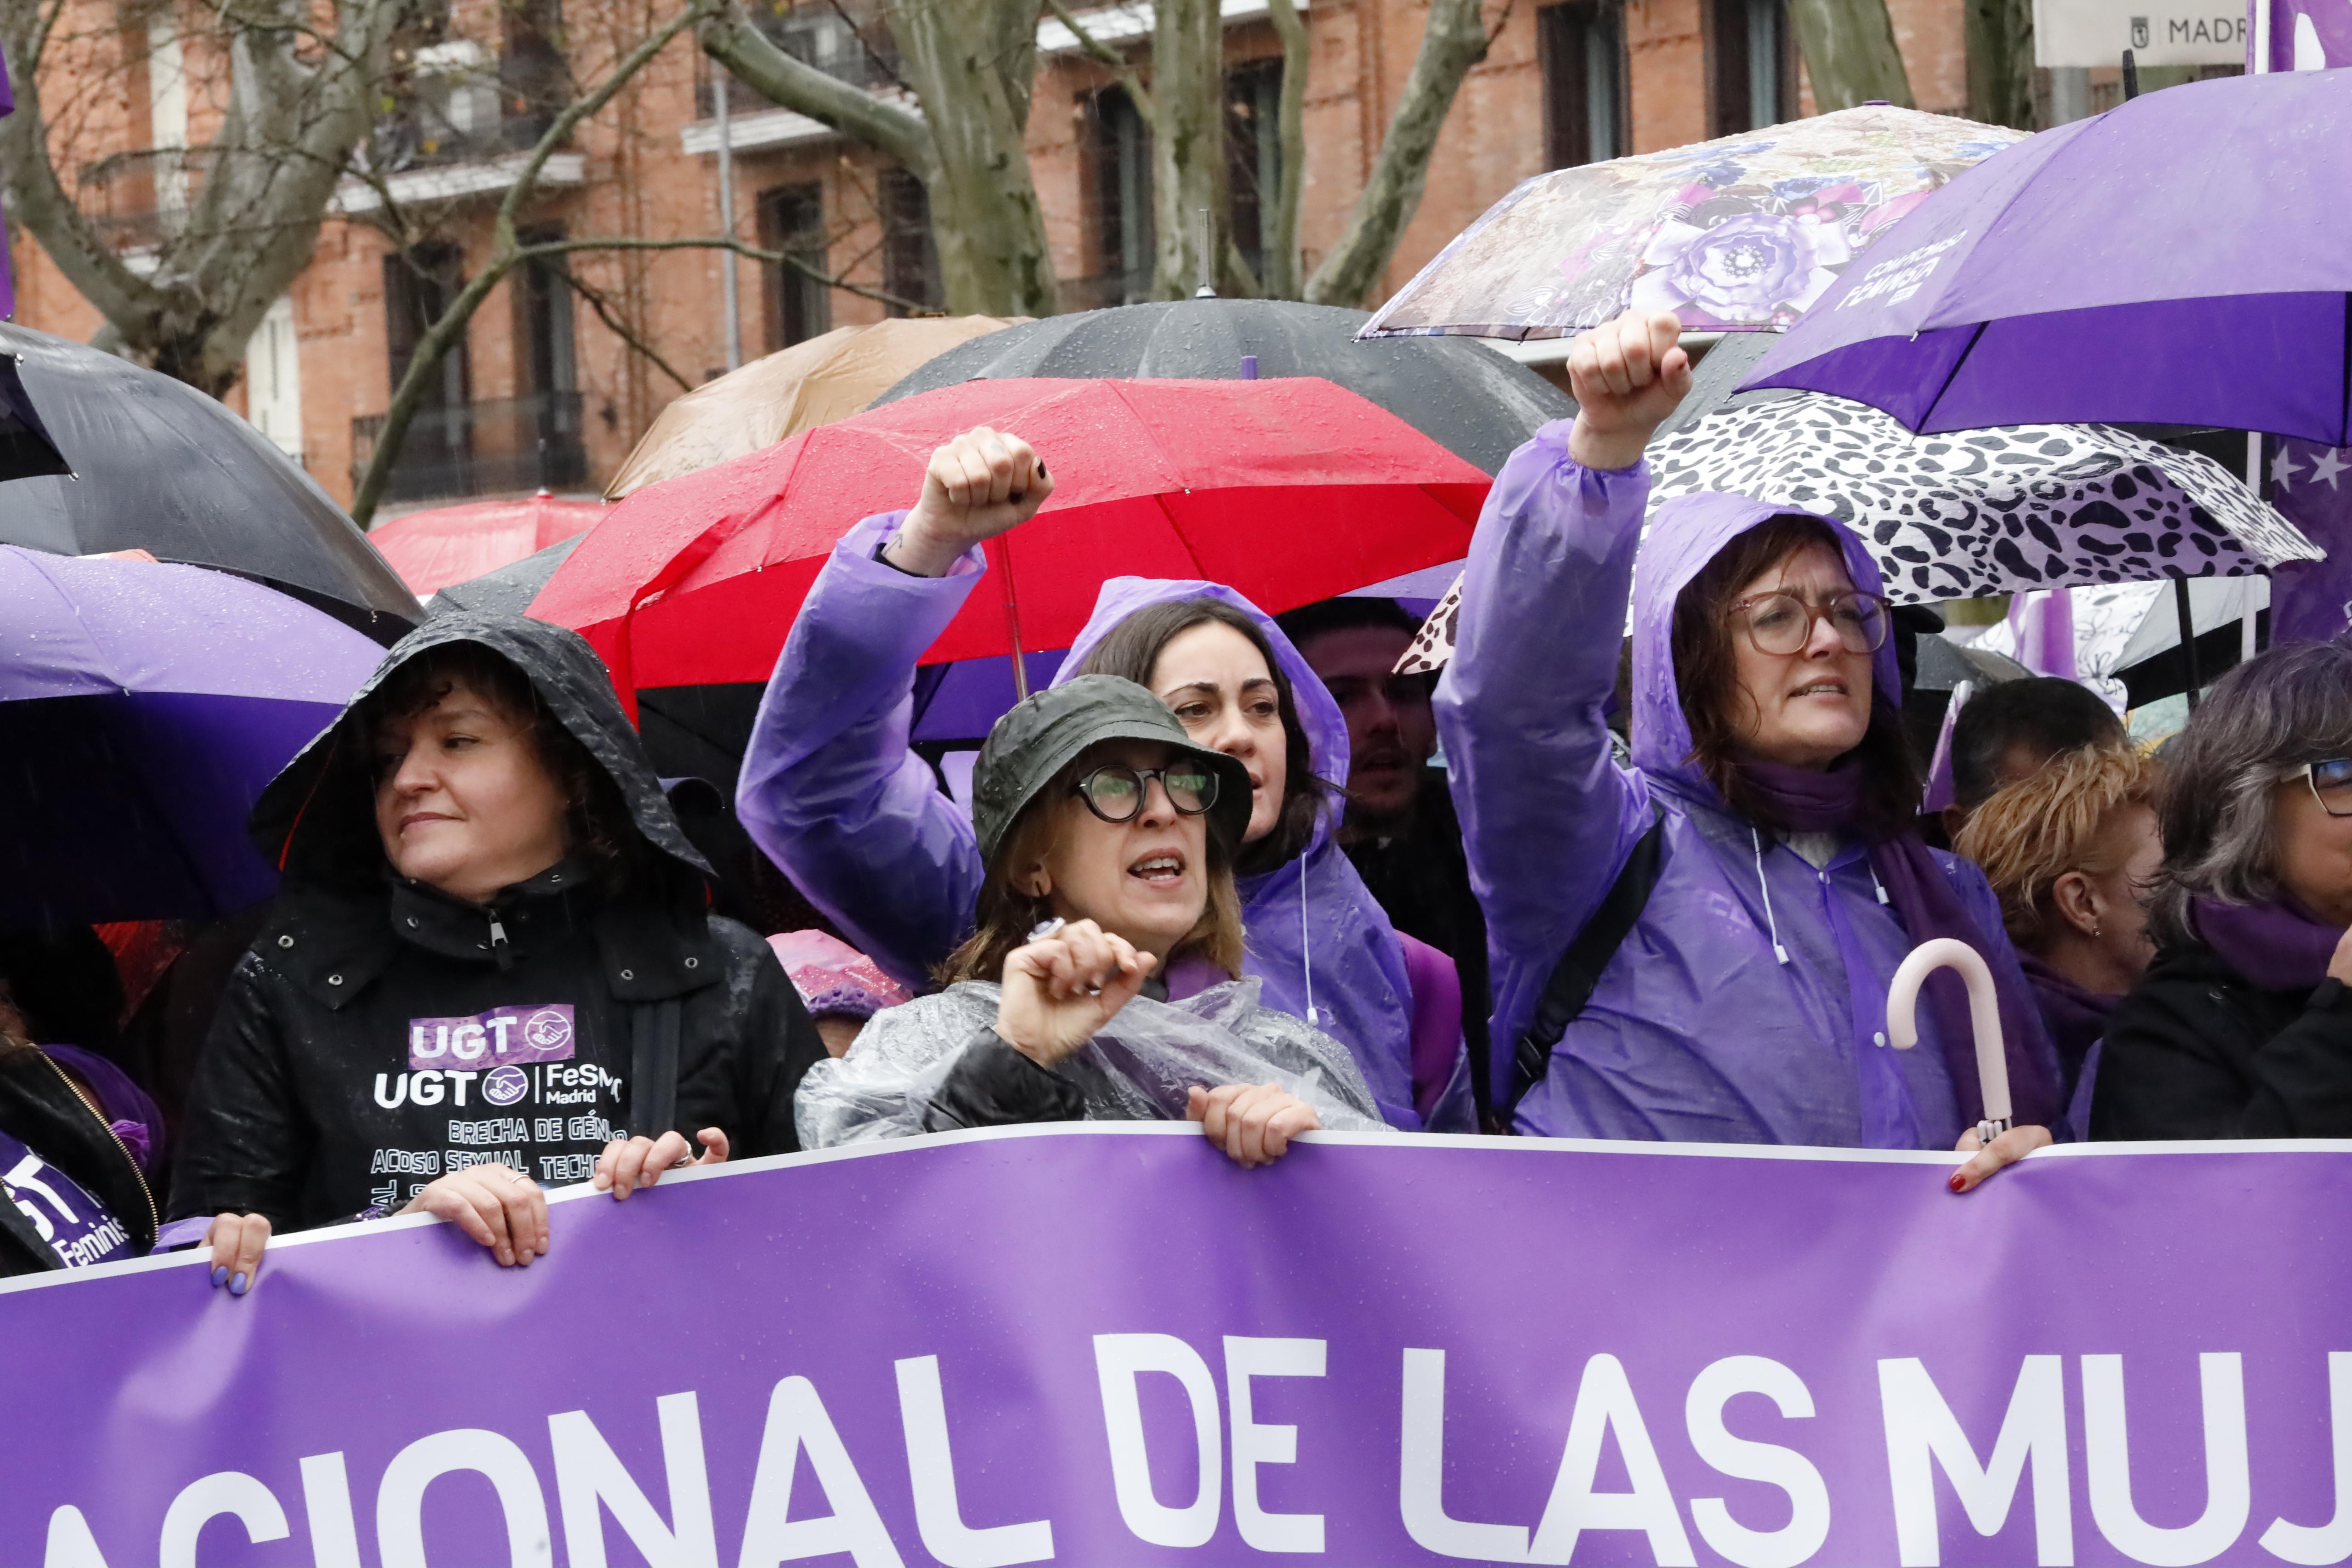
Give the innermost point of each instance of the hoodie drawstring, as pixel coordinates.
(1770, 922)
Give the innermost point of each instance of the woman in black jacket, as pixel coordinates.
(2243, 1026)
(491, 967)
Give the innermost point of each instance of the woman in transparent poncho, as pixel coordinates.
(1099, 985)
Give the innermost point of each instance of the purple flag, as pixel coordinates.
(1111, 1346)
(2298, 35)
(2312, 486)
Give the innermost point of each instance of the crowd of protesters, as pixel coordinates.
(1641, 864)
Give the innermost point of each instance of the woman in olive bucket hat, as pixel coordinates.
(1099, 982)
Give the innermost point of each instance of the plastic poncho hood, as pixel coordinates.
(316, 819)
(1685, 534)
(1325, 949)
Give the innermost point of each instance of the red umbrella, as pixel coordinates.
(1290, 490)
(432, 550)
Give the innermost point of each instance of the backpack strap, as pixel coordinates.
(1578, 969)
(654, 1032)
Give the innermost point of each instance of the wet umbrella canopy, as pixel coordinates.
(1469, 399)
(143, 708)
(2185, 259)
(1288, 490)
(158, 466)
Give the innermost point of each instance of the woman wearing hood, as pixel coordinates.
(1771, 792)
(1098, 983)
(831, 792)
(491, 966)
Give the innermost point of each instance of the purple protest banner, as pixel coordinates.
(2311, 484)
(1112, 1346)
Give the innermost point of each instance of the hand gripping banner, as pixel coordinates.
(1108, 1347)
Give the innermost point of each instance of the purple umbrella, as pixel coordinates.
(142, 706)
(2182, 260)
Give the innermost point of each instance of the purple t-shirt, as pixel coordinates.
(75, 1224)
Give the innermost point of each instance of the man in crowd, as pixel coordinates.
(1399, 829)
(2008, 730)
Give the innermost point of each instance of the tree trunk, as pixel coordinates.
(1282, 280)
(2000, 62)
(269, 173)
(971, 64)
(1188, 148)
(1452, 40)
(1850, 52)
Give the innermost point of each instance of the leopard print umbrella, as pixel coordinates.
(1967, 514)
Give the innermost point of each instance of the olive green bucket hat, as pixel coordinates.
(1045, 730)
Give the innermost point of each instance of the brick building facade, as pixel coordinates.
(549, 388)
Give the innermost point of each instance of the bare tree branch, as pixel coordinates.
(619, 328)
(728, 38)
(1282, 280)
(1104, 54)
(1452, 42)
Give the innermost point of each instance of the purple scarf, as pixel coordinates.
(2277, 946)
(1928, 908)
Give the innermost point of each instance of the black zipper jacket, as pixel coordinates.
(2195, 1051)
(380, 1034)
(39, 1109)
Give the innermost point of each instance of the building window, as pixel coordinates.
(273, 378)
(418, 284)
(1751, 66)
(1581, 50)
(534, 83)
(910, 253)
(1254, 154)
(1117, 203)
(542, 294)
(792, 220)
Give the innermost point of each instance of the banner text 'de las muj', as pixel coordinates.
(1112, 1347)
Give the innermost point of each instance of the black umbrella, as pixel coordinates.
(158, 466)
(1461, 395)
(509, 590)
(25, 447)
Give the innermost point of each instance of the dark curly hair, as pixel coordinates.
(597, 826)
(1706, 673)
(1132, 650)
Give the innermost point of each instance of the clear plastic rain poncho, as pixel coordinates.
(1137, 1069)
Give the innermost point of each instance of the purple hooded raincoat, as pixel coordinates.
(833, 794)
(1695, 1031)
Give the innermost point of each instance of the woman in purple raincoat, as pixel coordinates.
(1747, 1001)
(830, 791)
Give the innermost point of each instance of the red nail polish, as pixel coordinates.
(1960, 1183)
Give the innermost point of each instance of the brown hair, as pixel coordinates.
(1007, 915)
(1706, 673)
(2058, 819)
(1132, 650)
(597, 824)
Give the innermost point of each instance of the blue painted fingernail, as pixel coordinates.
(237, 1285)
(220, 1275)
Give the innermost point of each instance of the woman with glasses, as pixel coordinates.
(832, 791)
(1698, 947)
(1098, 981)
(2243, 1026)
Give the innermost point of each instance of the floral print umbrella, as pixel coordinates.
(1736, 235)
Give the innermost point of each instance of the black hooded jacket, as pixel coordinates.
(40, 1109)
(380, 1034)
(2196, 1050)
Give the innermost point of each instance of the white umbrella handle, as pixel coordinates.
(1984, 1018)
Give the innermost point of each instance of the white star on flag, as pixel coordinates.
(2282, 468)
(2326, 465)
